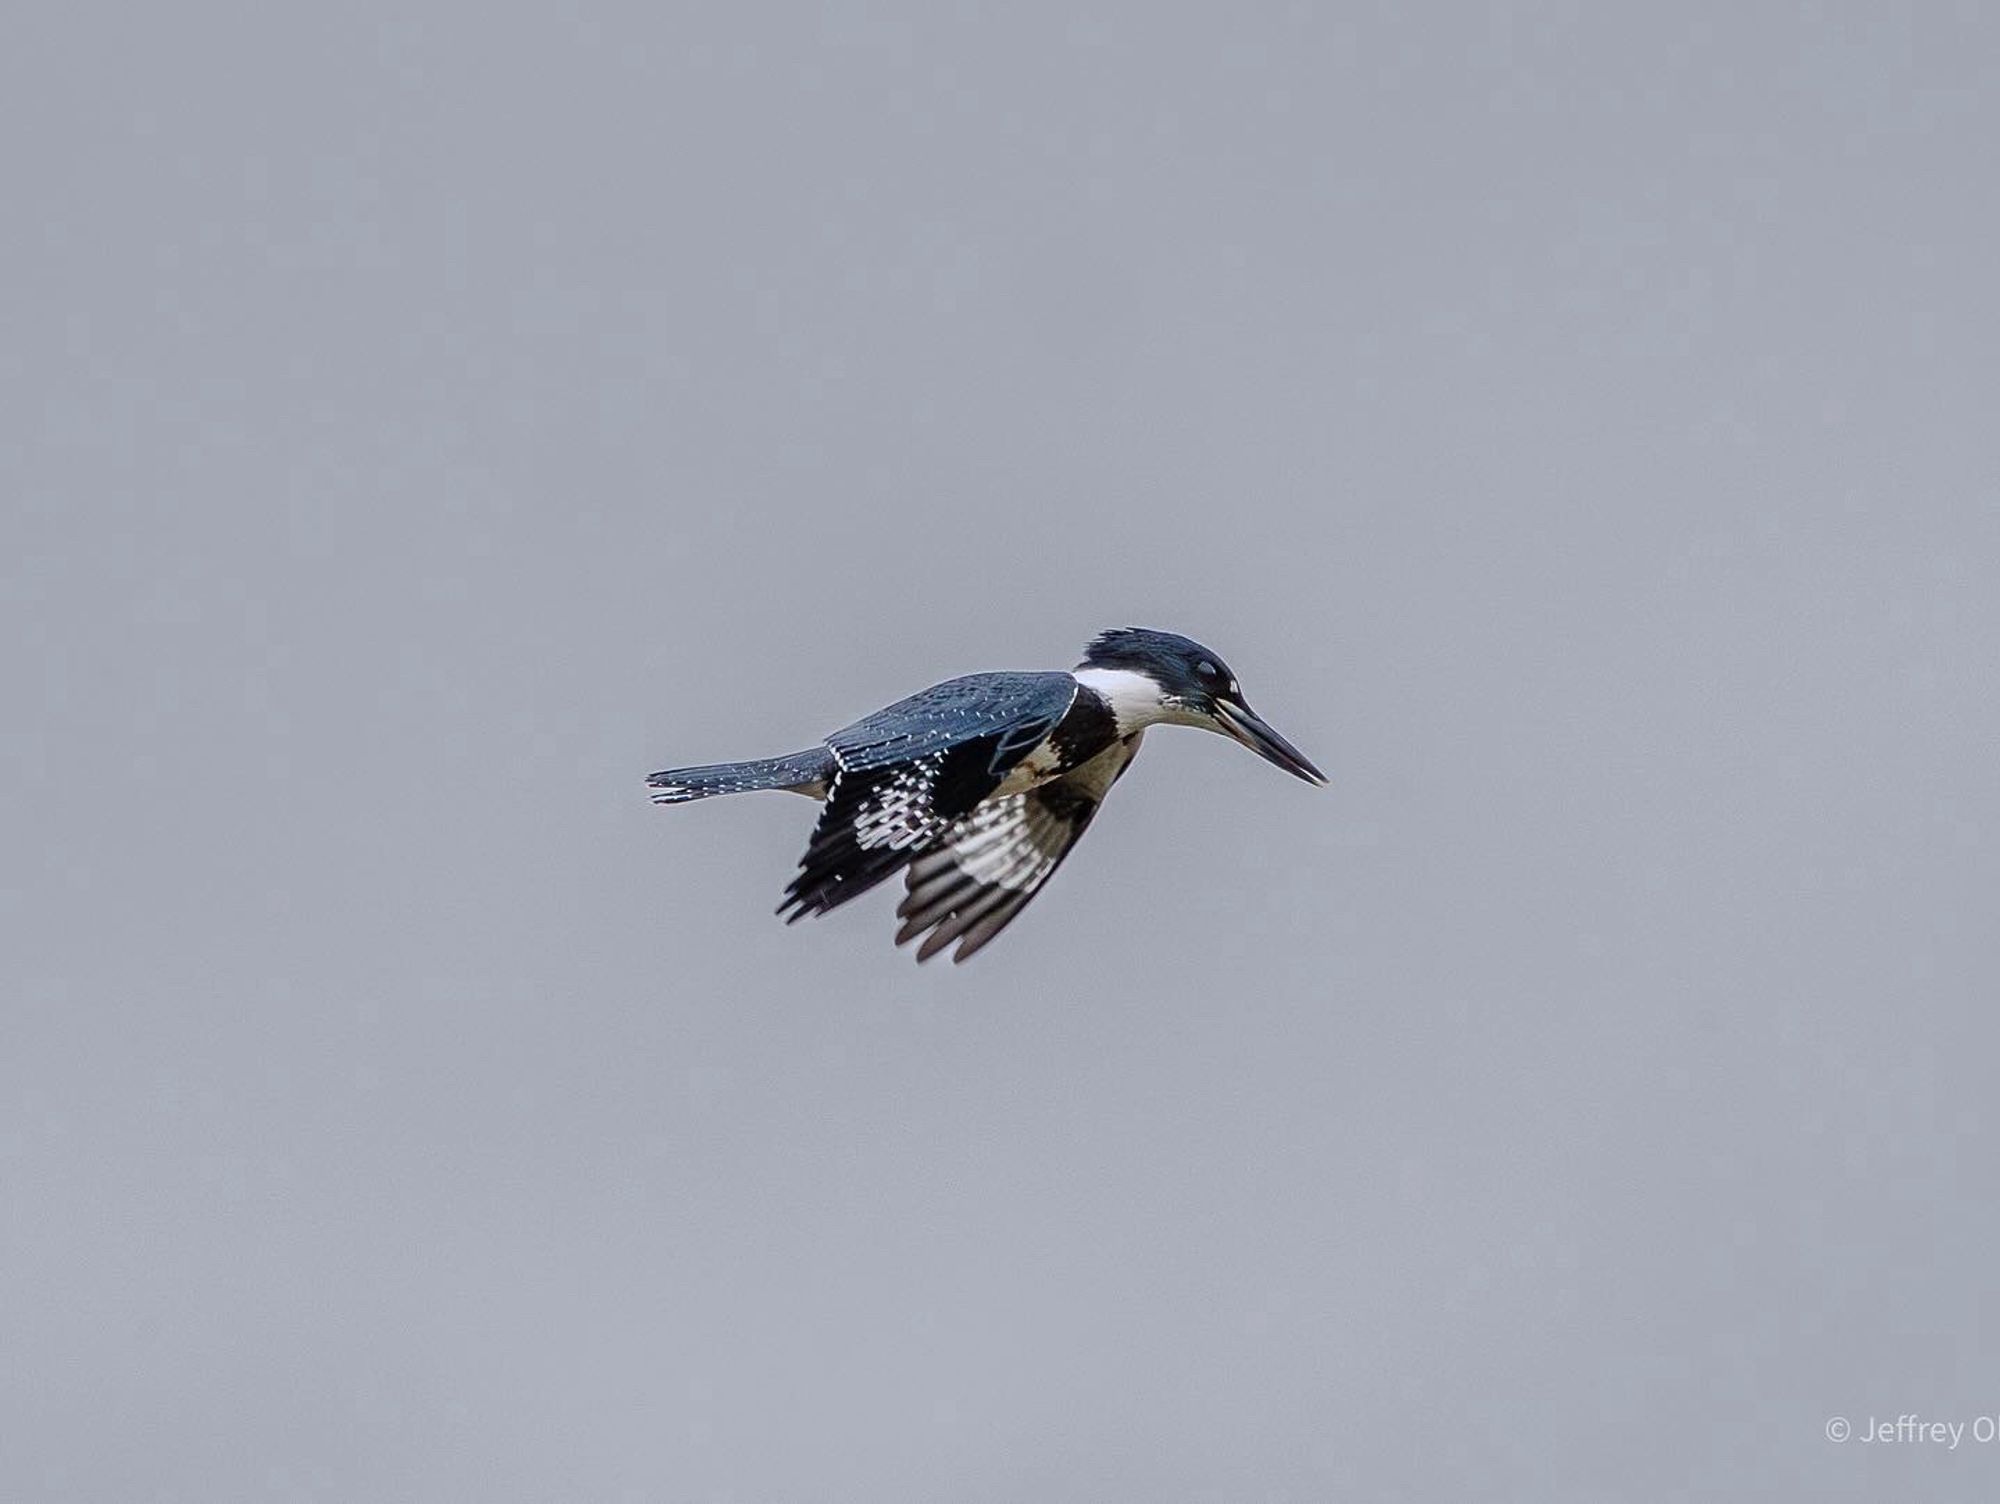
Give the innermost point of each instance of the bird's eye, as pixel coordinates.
(1207, 670)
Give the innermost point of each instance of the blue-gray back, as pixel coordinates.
(1017, 709)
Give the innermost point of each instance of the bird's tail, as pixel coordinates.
(799, 772)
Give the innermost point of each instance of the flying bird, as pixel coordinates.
(977, 788)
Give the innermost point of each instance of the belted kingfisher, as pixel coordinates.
(978, 787)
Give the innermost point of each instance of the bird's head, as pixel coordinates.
(1150, 677)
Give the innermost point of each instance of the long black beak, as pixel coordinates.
(1243, 723)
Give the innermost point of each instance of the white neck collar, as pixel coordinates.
(1135, 698)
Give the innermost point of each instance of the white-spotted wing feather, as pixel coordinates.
(988, 864)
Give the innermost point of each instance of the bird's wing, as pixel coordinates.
(971, 884)
(904, 774)
(1012, 711)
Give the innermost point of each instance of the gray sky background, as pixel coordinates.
(1575, 423)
